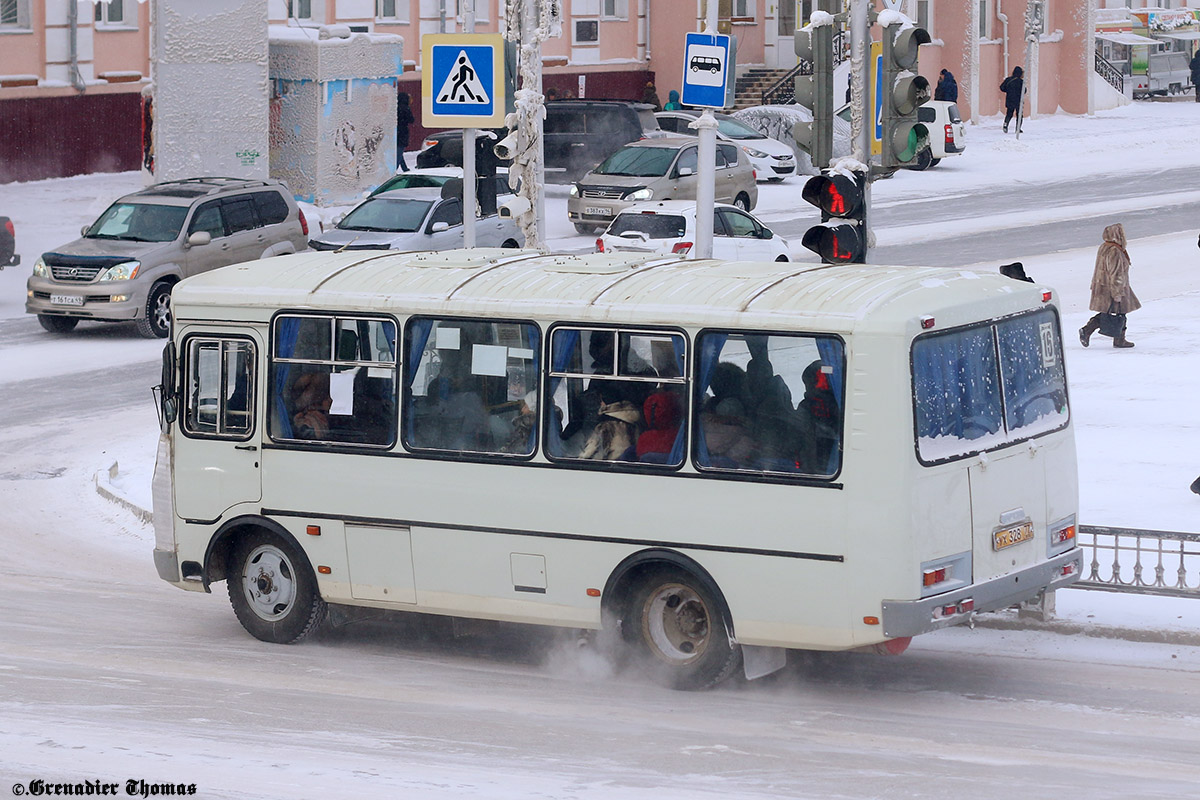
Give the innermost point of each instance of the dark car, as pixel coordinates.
(8, 244)
(578, 135)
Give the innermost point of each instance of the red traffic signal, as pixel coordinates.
(840, 243)
(841, 238)
(836, 195)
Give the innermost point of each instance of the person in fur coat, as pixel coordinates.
(1111, 292)
(615, 433)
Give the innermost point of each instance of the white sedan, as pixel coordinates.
(669, 227)
(772, 160)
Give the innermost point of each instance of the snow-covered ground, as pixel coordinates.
(1136, 413)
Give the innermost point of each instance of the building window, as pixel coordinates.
(985, 20)
(614, 9)
(587, 31)
(925, 15)
(14, 14)
(300, 9)
(391, 10)
(481, 9)
(110, 13)
(787, 18)
(743, 9)
(1036, 18)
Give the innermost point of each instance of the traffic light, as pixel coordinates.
(903, 92)
(814, 91)
(841, 238)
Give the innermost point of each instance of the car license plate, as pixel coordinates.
(1016, 534)
(66, 299)
(598, 211)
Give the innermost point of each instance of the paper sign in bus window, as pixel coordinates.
(448, 339)
(489, 359)
(1046, 334)
(341, 392)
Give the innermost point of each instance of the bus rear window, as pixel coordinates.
(979, 388)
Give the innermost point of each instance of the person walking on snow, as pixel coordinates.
(1195, 66)
(1112, 296)
(1014, 91)
(947, 87)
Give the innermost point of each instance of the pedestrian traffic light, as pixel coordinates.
(841, 238)
(814, 91)
(903, 92)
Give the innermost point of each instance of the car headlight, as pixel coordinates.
(640, 194)
(125, 271)
(574, 191)
(40, 269)
(750, 151)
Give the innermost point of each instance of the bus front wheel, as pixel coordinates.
(681, 632)
(273, 590)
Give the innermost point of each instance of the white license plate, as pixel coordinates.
(1007, 537)
(66, 300)
(598, 211)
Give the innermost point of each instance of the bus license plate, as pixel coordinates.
(1014, 535)
(598, 211)
(66, 299)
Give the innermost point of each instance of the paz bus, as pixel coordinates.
(706, 463)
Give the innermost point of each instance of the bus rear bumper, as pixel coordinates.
(913, 617)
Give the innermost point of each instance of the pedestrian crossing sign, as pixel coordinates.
(462, 80)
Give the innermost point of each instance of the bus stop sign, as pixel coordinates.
(462, 80)
(706, 69)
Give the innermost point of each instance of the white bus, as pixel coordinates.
(707, 463)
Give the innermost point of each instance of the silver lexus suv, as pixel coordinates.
(125, 264)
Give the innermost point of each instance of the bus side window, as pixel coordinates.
(611, 387)
(769, 403)
(333, 379)
(471, 386)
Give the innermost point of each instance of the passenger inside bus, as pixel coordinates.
(818, 420)
(663, 414)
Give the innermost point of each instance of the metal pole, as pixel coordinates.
(706, 161)
(531, 44)
(860, 35)
(469, 16)
(468, 197)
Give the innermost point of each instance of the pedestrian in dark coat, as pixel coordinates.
(404, 118)
(1014, 91)
(947, 87)
(1112, 296)
(650, 95)
(1195, 65)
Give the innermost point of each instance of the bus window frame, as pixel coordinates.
(993, 325)
(762, 475)
(333, 316)
(185, 374)
(684, 380)
(472, 456)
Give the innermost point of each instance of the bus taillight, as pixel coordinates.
(931, 577)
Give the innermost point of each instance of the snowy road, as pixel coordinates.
(107, 673)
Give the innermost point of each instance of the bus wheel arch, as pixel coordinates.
(272, 586)
(666, 610)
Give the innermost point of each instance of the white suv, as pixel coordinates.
(947, 134)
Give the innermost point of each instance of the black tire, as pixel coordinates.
(510, 243)
(585, 229)
(782, 258)
(273, 590)
(742, 201)
(155, 323)
(924, 160)
(58, 324)
(678, 628)
(935, 162)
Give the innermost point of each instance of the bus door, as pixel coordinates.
(218, 439)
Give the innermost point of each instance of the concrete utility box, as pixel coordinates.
(333, 110)
(210, 89)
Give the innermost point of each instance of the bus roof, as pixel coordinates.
(615, 288)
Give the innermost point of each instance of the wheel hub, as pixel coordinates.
(676, 623)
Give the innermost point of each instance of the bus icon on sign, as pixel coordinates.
(706, 63)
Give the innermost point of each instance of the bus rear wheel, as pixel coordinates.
(681, 632)
(273, 590)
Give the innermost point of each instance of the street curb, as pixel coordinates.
(1065, 628)
(105, 489)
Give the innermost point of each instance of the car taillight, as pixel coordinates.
(949, 135)
(682, 248)
(8, 226)
(429, 143)
(303, 223)
(599, 245)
